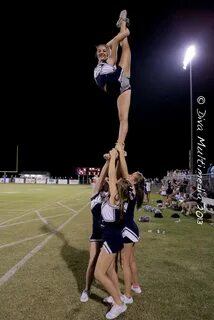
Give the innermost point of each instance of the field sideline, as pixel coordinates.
(44, 231)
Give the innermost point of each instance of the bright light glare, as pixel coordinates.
(190, 53)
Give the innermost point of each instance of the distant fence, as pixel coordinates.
(207, 181)
(39, 181)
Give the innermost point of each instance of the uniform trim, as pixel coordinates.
(95, 240)
(130, 234)
(106, 247)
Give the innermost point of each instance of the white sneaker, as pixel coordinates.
(108, 299)
(136, 289)
(122, 17)
(84, 296)
(126, 300)
(123, 14)
(116, 310)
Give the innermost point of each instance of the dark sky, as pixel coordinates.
(52, 109)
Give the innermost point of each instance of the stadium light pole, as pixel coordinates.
(190, 53)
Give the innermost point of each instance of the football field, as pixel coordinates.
(44, 232)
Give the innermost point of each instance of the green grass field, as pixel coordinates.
(44, 233)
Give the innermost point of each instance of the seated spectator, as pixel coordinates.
(191, 202)
(169, 189)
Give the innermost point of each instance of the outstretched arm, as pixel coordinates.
(112, 176)
(118, 170)
(123, 164)
(102, 176)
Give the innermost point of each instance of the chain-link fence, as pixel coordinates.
(206, 182)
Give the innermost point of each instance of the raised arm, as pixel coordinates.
(118, 170)
(123, 164)
(102, 175)
(112, 176)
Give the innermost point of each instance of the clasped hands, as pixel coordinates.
(119, 149)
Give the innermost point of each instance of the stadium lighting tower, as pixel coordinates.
(190, 53)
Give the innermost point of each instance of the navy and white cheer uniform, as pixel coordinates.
(111, 228)
(96, 202)
(130, 231)
(111, 78)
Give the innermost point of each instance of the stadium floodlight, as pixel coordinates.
(190, 53)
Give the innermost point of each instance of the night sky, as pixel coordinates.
(52, 109)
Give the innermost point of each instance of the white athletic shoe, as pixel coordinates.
(108, 299)
(116, 310)
(136, 289)
(126, 300)
(123, 14)
(122, 17)
(84, 296)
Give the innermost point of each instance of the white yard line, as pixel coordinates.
(12, 219)
(56, 206)
(65, 206)
(23, 240)
(22, 262)
(6, 215)
(86, 205)
(27, 221)
(33, 210)
(41, 218)
(28, 212)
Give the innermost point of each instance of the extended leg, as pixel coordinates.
(124, 100)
